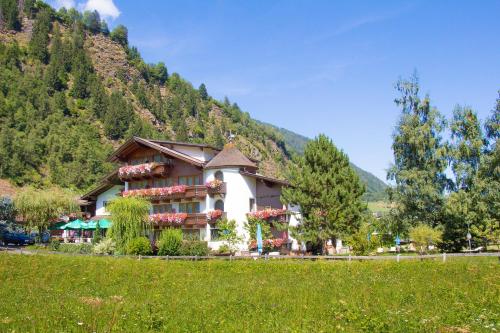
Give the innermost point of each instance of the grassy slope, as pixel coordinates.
(375, 188)
(58, 293)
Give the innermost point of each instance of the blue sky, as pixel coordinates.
(323, 66)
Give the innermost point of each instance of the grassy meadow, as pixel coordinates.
(57, 293)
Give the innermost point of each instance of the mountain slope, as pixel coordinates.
(375, 188)
(71, 92)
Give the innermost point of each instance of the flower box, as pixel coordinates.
(168, 218)
(214, 215)
(155, 192)
(267, 213)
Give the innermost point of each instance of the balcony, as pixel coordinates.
(269, 214)
(143, 171)
(218, 189)
(168, 193)
(186, 219)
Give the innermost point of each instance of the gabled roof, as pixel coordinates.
(186, 144)
(105, 184)
(136, 141)
(265, 178)
(230, 156)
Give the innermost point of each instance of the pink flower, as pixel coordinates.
(134, 170)
(155, 192)
(214, 184)
(214, 214)
(168, 218)
(267, 213)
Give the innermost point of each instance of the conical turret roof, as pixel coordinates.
(230, 156)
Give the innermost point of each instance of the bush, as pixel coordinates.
(54, 245)
(194, 248)
(224, 249)
(139, 246)
(423, 236)
(170, 242)
(360, 243)
(76, 248)
(106, 246)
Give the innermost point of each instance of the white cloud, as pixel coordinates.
(106, 8)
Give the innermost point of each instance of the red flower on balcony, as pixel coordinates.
(272, 243)
(267, 213)
(155, 192)
(168, 218)
(136, 170)
(214, 214)
(214, 185)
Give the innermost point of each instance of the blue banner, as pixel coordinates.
(259, 239)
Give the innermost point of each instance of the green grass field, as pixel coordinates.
(56, 293)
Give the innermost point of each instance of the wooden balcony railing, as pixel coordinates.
(143, 171)
(191, 219)
(219, 190)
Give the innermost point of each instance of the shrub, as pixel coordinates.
(76, 248)
(54, 245)
(194, 248)
(360, 243)
(139, 246)
(170, 242)
(423, 236)
(106, 246)
(224, 249)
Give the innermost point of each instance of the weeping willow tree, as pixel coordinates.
(41, 208)
(130, 220)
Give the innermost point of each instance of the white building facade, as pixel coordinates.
(197, 184)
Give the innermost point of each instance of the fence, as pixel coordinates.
(442, 257)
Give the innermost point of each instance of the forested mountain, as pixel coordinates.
(71, 91)
(375, 188)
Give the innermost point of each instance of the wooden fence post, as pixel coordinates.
(444, 256)
(397, 257)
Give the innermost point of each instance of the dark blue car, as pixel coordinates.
(17, 238)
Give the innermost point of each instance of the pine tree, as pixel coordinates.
(9, 15)
(203, 92)
(92, 21)
(328, 192)
(104, 28)
(420, 159)
(40, 38)
(55, 75)
(120, 35)
(118, 117)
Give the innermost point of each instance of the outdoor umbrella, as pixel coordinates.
(73, 225)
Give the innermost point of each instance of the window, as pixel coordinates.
(214, 233)
(219, 175)
(166, 208)
(193, 234)
(138, 185)
(189, 207)
(252, 205)
(219, 204)
(162, 182)
(190, 180)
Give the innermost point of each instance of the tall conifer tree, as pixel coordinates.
(328, 192)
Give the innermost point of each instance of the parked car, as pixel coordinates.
(45, 236)
(17, 238)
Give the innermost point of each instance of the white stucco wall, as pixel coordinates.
(106, 196)
(203, 154)
(294, 221)
(239, 190)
